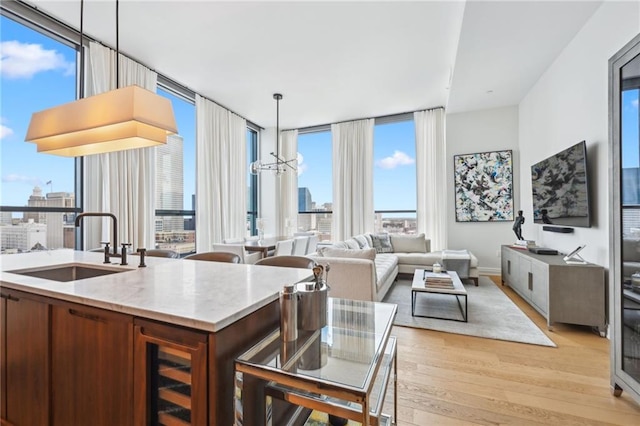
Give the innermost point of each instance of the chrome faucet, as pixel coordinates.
(115, 227)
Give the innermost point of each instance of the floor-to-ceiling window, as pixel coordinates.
(37, 191)
(394, 175)
(315, 189)
(175, 176)
(252, 181)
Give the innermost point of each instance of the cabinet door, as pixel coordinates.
(510, 266)
(25, 359)
(171, 375)
(505, 258)
(92, 366)
(540, 287)
(522, 283)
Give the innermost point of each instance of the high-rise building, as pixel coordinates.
(55, 222)
(23, 237)
(170, 183)
(304, 200)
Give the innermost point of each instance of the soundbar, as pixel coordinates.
(542, 250)
(560, 229)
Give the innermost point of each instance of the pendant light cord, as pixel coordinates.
(81, 88)
(117, 44)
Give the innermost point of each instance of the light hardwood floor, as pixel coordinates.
(450, 379)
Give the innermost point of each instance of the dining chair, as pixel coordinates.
(312, 245)
(284, 248)
(215, 256)
(245, 257)
(287, 262)
(300, 246)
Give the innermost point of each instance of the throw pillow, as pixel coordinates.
(349, 253)
(382, 243)
(408, 243)
(352, 244)
(362, 241)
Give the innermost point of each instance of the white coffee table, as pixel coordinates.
(457, 291)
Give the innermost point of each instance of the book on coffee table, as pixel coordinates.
(437, 280)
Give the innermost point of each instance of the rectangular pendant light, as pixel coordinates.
(126, 118)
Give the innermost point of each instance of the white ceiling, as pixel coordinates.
(336, 61)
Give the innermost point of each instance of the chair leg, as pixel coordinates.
(475, 280)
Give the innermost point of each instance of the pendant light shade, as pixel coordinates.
(127, 118)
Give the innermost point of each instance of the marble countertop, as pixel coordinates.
(198, 294)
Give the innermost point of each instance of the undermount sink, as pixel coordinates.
(69, 272)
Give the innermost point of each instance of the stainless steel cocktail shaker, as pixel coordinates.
(289, 313)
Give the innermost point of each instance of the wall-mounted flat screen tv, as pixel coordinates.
(560, 188)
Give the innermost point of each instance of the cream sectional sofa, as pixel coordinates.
(364, 268)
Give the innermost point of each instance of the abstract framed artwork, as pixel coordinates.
(484, 186)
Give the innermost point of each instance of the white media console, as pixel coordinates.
(560, 292)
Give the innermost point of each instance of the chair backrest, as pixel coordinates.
(300, 246)
(215, 256)
(172, 254)
(288, 262)
(230, 248)
(245, 256)
(312, 245)
(284, 248)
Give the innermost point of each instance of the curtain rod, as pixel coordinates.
(319, 127)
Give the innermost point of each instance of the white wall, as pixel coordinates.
(481, 131)
(570, 104)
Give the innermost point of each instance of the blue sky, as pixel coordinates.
(394, 166)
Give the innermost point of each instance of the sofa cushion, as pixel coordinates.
(385, 266)
(352, 244)
(350, 253)
(382, 243)
(426, 259)
(340, 244)
(362, 241)
(408, 243)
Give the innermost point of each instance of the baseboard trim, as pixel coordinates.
(489, 271)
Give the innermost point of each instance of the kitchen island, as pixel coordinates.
(121, 348)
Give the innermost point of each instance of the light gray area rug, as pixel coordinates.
(491, 313)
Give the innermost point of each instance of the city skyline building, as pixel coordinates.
(55, 222)
(23, 236)
(170, 183)
(304, 199)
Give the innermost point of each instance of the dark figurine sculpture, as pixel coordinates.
(517, 226)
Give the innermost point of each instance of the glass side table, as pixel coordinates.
(343, 369)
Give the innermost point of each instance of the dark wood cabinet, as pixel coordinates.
(64, 363)
(25, 361)
(171, 375)
(92, 366)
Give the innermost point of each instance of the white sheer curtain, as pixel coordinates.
(221, 174)
(122, 183)
(288, 185)
(352, 178)
(431, 176)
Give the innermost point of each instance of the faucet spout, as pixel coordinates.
(100, 214)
